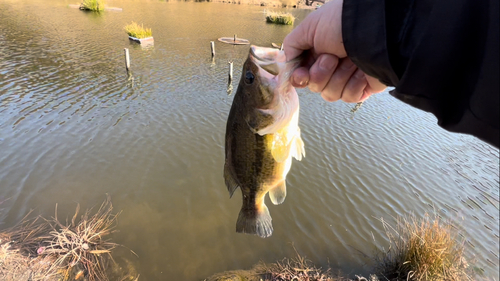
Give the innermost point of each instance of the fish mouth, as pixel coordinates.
(266, 59)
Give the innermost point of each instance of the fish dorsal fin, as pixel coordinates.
(278, 194)
(230, 180)
(298, 151)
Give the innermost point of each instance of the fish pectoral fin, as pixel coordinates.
(231, 183)
(298, 151)
(278, 194)
(255, 220)
(280, 147)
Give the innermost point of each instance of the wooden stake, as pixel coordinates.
(127, 59)
(212, 46)
(230, 71)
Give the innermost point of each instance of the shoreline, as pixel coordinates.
(271, 4)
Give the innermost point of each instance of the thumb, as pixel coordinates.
(374, 85)
(300, 39)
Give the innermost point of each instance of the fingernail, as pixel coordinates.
(300, 82)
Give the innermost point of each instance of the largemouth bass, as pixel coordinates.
(262, 136)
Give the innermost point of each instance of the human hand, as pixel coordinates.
(326, 68)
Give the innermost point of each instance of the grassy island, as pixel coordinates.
(280, 18)
(138, 31)
(92, 5)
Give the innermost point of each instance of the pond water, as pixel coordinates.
(75, 127)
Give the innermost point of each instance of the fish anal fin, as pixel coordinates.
(278, 194)
(231, 182)
(255, 220)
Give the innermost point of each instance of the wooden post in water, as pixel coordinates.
(127, 59)
(212, 46)
(230, 72)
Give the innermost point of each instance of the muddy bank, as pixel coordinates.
(420, 249)
(298, 268)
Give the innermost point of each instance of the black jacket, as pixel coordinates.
(442, 56)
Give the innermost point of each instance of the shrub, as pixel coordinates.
(138, 31)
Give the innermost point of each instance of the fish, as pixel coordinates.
(262, 136)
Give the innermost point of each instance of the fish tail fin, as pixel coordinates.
(255, 220)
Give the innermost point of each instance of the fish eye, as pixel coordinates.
(249, 77)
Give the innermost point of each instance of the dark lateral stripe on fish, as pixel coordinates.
(258, 163)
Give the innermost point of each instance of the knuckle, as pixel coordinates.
(314, 87)
(329, 96)
(351, 97)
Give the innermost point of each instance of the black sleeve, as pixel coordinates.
(442, 56)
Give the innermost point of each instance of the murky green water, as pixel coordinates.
(74, 126)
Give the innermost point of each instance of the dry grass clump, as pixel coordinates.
(424, 249)
(18, 258)
(280, 18)
(138, 31)
(82, 242)
(298, 268)
(42, 249)
(294, 269)
(92, 5)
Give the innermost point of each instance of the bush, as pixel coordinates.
(138, 31)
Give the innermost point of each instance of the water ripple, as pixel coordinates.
(75, 125)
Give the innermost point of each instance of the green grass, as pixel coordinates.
(423, 249)
(138, 31)
(279, 18)
(93, 5)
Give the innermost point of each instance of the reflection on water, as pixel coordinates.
(74, 126)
